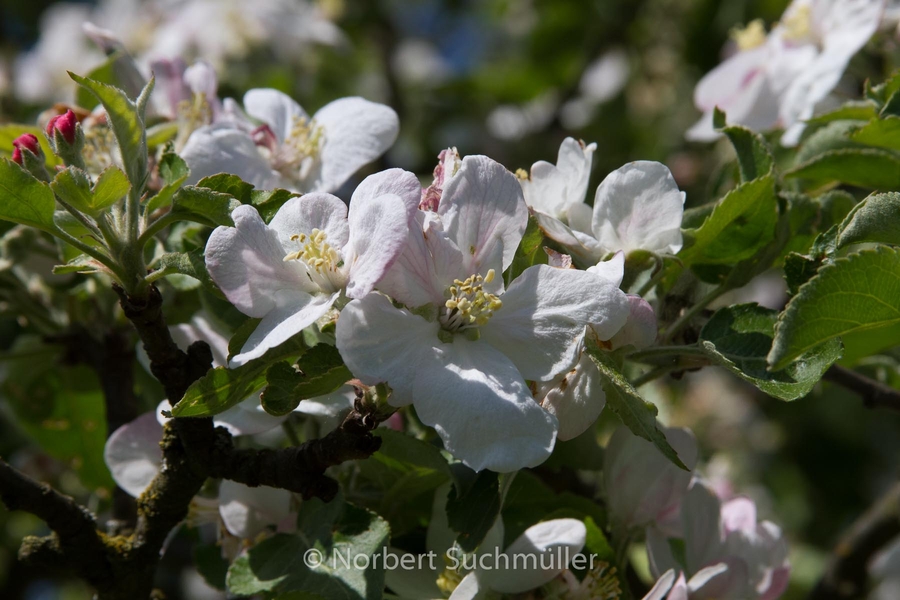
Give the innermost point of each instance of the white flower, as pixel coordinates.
(291, 271)
(642, 486)
(636, 207)
(777, 80)
(727, 553)
(577, 398)
(464, 350)
(289, 149)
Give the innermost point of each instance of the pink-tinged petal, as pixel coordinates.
(247, 418)
(546, 542)
(276, 109)
(659, 552)
(484, 212)
(248, 511)
(356, 133)
(558, 260)
(642, 485)
(247, 263)
(700, 515)
(480, 406)
(543, 317)
(640, 329)
(170, 89)
(133, 455)
(778, 584)
(662, 587)
(726, 579)
(723, 86)
(283, 323)
(612, 270)
(545, 189)
(312, 211)
(396, 182)
(223, 148)
(639, 207)
(379, 229)
(582, 246)
(381, 343)
(739, 514)
(576, 399)
(427, 267)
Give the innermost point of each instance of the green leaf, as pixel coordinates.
(869, 168)
(530, 251)
(834, 136)
(860, 292)
(111, 186)
(276, 564)
(126, 124)
(740, 337)
(472, 512)
(320, 371)
(174, 171)
(210, 564)
(636, 413)
(24, 199)
(240, 337)
(228, 184)
(875, 219)
(190, 264)
(73, 186)
(221, 388)
(268, 202)
(857, 110)
(753, 153)
(205, 206)
(883, 133)
(742, 222)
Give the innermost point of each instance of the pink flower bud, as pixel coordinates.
(28, 142)
(65, 123)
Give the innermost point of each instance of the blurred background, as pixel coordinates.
(510, 79)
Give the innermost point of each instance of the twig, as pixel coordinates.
(846, 574)
(874, 393)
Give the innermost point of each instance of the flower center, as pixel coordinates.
(750, 37)
(299, 150)
(322, 260)
(192, 115)
(601, 582)
(469, 305)
(798, 26)
(99, 142)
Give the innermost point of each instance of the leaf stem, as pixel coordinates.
(155, 227)
(650, 355)
(94, 253)
(654, 373)
(689, 314)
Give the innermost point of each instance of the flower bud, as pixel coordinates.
(66, 124)
(29, 142)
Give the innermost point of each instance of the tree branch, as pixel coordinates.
(874, 393)
(847, 572)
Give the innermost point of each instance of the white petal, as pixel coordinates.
(276, 109)
(739, 514)
(550, 541)
(640, 329)
(199, 328)
(247, 263)
(480, 406)
(484, 212)
(391, 181)
(247, 418)
(133, 455)
(330, 409)
(577, 399)
(428, 265)
(356, 133)
(703, 534)
(247, 511)
(662, 586)
(659, 551)
(639, 207)
(543, 317)
(723, 86)
(582, 246)
(283, 323)
(381, 343)
(379, 229)
(726, 579)
(201, 78)
(411, 584)
(468, 589)
(574, 161)
(312, 211)
(223, 148)
(579, 216)
(703, 130)
(545, 189)
(612, 270)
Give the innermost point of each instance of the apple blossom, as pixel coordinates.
(462, 349)
(290, 272)
(728, 554)
(642, 486)
(777, 80)
(288, 149)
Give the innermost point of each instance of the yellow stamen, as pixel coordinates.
(316, 252)
(751, 36)
(469, 305)
(797, 26)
